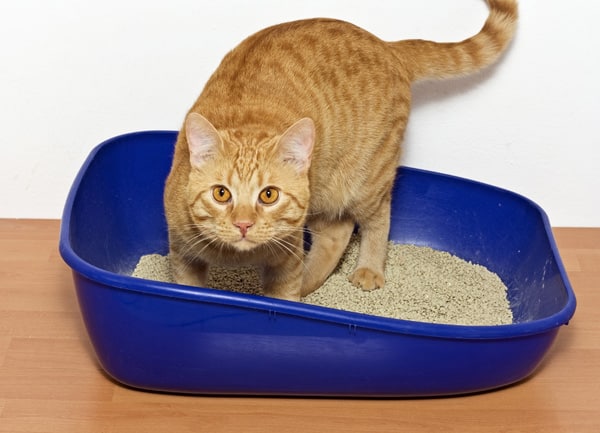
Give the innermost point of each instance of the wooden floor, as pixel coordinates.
(50, 381)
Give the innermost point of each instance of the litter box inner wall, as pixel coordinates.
(120, 203)
(118, 213)
(489, 226)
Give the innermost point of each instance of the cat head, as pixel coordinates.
(247, 189)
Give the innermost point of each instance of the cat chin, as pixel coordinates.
(244, 245)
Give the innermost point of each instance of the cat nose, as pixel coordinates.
(243, 226)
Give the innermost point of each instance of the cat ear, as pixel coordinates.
(296, 144)
(202, 137)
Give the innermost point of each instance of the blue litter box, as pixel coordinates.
(167, 337)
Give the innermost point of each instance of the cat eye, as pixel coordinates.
(269, 195)
(221, 194)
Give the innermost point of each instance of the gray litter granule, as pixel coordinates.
(422, 284)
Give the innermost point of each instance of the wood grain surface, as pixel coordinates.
(50, 380)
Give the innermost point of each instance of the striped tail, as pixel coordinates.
(427, 59)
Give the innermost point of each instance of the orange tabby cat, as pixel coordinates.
(300, 126)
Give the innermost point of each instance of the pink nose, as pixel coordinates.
(243, 226)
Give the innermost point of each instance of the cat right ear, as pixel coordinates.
(203, 139)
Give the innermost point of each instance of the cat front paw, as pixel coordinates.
(367, 279)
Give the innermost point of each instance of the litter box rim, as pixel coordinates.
(323, 314)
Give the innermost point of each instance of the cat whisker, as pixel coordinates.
(191, 252)
(287, 247)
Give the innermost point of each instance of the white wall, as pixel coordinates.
(74, 73)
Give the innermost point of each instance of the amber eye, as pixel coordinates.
(269, 195)
(221, 194)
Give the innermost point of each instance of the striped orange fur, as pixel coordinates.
(313, 113)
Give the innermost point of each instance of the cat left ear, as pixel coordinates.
(296, 144)
(202, 137)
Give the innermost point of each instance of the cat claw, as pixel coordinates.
(367, 279)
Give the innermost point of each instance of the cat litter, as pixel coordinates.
(422, 285)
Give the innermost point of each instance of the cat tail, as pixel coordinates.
(427, 59)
